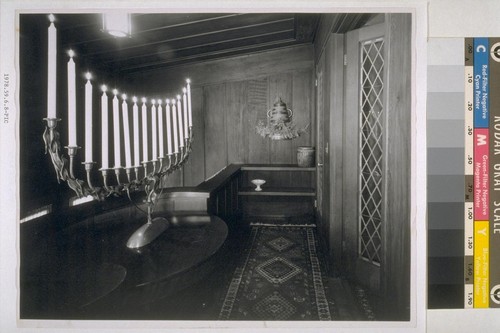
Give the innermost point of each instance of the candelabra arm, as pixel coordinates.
(169, 165)
(145, 165)
(72, 153)
(105, 179)
(173, 163)
(53, 147)
(117, 174)
(186, 150)
(136, 169)
(150, 212)
(184, 154)
(77, 186)
(150, 189)
(160, 168)
(181, 156)
(88, 169)
(71, 166)
(155, 167)
(129, 174)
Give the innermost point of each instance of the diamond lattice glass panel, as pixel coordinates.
(371, 150)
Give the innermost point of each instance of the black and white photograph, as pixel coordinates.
(215, 166)
(249, 166)
(218, 167)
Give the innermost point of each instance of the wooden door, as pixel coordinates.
(364, 154)
(376, 157)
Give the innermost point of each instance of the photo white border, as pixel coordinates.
(9, 238)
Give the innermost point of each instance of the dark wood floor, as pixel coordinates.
(202, 300)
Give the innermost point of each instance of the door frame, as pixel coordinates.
(322, 162)
(331, 62)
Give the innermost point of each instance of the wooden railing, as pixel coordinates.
(229, 196)
(223, 193)
(216, 196)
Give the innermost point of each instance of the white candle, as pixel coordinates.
(116, 130)
(169, 127)
(135, 114)
(179, 114)
(104, 128)
(185, 109)
(52, 69)
(144, 131)
(160, 128)
(88, 119)
(154, 126)
(71, 101)
(126, 132)
(174, 125)
(190, 111)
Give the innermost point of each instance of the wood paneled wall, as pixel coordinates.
(396, 268)
(230, 96)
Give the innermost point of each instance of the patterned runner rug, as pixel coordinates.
(278, 278)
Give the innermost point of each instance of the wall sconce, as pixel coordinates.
(279, 123)
(117, 24)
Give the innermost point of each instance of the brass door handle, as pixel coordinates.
(320, 164)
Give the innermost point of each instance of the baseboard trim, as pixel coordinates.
(281, 225)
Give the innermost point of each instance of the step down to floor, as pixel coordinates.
(280, 220)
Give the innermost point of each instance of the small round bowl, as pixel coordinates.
(258, 183)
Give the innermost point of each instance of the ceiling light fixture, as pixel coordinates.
(117, 24)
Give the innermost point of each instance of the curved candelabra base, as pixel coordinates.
(148, 232)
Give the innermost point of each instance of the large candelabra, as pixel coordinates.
(151, 180)
(177, 120)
